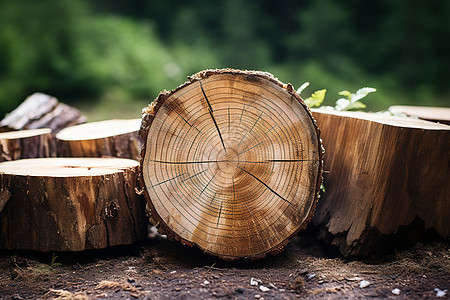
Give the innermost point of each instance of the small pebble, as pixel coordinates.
(364, 283)
(310, 276)
(440, 293)
(396, 291)
(353, 278)
(206, 282)
(264, 288)
(257, 296)
(254, 281)
(216, 277)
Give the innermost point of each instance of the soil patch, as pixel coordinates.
(161, 269)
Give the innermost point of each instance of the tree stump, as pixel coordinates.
(386, 179)
(231, 163)
(70, 204)
(31, 143)
(113, 138)
(41, 111)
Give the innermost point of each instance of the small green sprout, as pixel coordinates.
(349, 101)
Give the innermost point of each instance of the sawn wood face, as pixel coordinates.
(231, 163)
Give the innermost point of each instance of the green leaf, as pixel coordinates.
(365, 91)
(342, 104)
(316, 98)
(346, 94)
(355, 106)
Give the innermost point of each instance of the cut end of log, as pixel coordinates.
(67, 167)
(384, 119)
(435, 114)
(20, 134)
(232, 163)
(99, 130)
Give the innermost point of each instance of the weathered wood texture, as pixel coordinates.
(434, 114)
(382, 174)
(70, 204)
(113, 138)
(231, 163)
(31, 143)
(41, 111)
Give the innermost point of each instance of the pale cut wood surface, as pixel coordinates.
(435, 114)
(21, 144)
(231, 163)
(70, 204)
(113, 138)
(382, 174)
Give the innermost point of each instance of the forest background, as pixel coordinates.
(112, 57)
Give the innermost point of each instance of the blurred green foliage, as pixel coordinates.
(121, 53)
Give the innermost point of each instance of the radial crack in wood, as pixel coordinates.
(231, 162)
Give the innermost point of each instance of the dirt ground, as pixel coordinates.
(161, 269)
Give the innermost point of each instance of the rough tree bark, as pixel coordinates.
(31, 143)
(113, 138)
(232, 163)
(383, 176)
(70, 204)
(41, 111)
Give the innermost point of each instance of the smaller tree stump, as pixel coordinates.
(111, 138)
(41, 111)
(31, 143)
(387, 181)
(70, 204)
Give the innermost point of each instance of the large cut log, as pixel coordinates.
(113, 138)
(70, 204)
(41, 111)
(386, 178)
(434, 114)
(231, 163)
(31, 143)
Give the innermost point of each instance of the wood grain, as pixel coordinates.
(231, 163)
(70, 204)
(382, 174)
